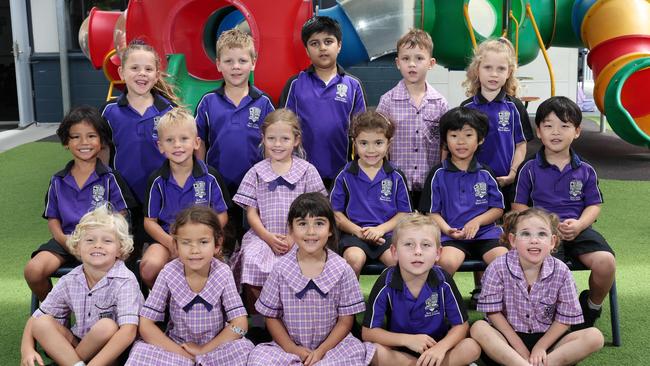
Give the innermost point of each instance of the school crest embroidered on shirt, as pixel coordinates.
(98, 193)
(575, 190)
(480, 192)
(386, 189)
(504, 121)
(341, 93)
(254, 114)
(431, 305)
(156, 121)
(549, 312)
(199, 192)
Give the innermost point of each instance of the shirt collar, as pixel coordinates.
(198, 169)
(158, 101)
(402, 93)
(209, 294)
(339, 69)
(295, 173)
(541, 159)
(480, 99)
(354, 168)
(325, 281)
(252, 91)
(474, 165)
(100, 169)
(118, 270)
(514, 267)
(397, 282)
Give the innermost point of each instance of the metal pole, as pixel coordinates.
(63, 54)
(505, 25)
(22, 52)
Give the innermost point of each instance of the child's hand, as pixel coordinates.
(537, 356)
(455, 233)
(432, 357)
(471, 228)
(373, 233)
(302, 353)
(193, 348)
(569, 229)
(419, 342)
(30, 357)
(278, 243)
(315, 356)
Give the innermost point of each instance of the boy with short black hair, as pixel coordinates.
(426, 318)
(461, 194)
(558, 180)
(325, 98)
(181, 182)
(416, 108)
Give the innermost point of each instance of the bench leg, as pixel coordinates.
(613, 308)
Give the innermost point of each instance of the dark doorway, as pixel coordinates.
(9, 99)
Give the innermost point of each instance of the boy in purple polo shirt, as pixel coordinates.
(84, 184)
(426, 320)
(101, 293)
(558, 180)
(461, 194)
(324, 97)
(416, 107)
(181, 182)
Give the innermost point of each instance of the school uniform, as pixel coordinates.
(165, 198)
(195, 318)
(415, 147)
(232, 133)
(368, 202)
(509, 126)
(309, 309)
(135, 151)
(530, 311)
(459, 196)
(325, 112)
(566, 193)
(438, 306)
(271, 195)
(116, 296)
(67, 202)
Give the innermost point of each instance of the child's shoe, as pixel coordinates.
(588, 313)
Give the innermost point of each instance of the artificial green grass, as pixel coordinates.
(24, 177)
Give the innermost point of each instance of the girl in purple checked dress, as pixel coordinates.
(265, 193)
(207, 320)
(311, 296)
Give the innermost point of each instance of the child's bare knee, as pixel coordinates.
(469, 350)
(104, 328)
(34, 272)
(478, 329)
(149, 271)
(595, 338)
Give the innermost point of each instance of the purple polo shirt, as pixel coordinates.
(115, 296)
(135, 151)
(325, 112)
(165, 198)
(370, 202)
(232, 133)
(509, 125)
(438, 305)
(459, 196)
(67, 202)
(553, 296)
(566, 193)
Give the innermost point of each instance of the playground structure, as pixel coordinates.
(617, 33)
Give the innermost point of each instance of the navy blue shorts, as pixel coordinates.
(474, 249)
(588, 241)
(372, 251)
(53, 246)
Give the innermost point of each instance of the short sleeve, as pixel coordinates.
(314, 183)
(491, 298)
(52, 202)
(56, 303)
(384, 105)
(124, 189)
(568, 309)
(424, 205)
(378, 303)
(202, 119)
(592, 194)
(523, 184)
(524, 119)
(495, 197)
(435, 205)
(359, 99)
(156, 303)
(220, 198)
(351, 299)
(339, 195)
(455, 311)
(230, 299)
(247, 193)
(129, 302)
(269, 304)
(154, 198)
(287, 98)
(117, 197)
(402, 194)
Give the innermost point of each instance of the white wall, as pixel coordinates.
(45, 34)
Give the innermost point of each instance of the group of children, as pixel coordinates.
(462, 167)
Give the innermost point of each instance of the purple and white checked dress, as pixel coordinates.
(309, 309)
(191, 320)
(416, 145)
(553, 297)
(254, 261)
(116, 296)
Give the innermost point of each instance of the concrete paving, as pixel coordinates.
(34, 132)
